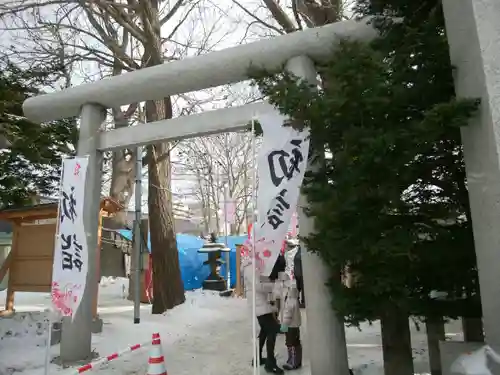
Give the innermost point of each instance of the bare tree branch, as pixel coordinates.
(216, 161)
(280, 16)
(296, 14)
(292, 15)
(111, 43)
(172, 12)
(257, 19)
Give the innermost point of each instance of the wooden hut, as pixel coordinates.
(30, 260)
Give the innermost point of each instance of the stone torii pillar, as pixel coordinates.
(331, 332)
(473, 29)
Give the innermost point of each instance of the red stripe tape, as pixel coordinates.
(156, 342)
(110, 357)
(88, 366)
(156, 360)
(156, 335)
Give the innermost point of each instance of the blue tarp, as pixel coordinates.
(191, 262)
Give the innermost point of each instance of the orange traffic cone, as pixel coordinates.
(156, 360)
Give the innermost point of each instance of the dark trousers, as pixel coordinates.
(269, 328)
(300, 288)
(292, 337)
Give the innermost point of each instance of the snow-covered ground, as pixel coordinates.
(207, 335)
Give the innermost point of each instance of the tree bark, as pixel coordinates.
(122, 182)
(122, 186)
(396, 343)
(168, 288)
(204, 198)
(473, 329)
(435, 334)
(123, 166)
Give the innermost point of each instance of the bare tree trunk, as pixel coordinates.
(122, 183)
(396, 343)
(123, 172)
(209, 205)
(122, 186)
(204, 209)
(213, 184)
(248, 194)
(473, 329)
(168, 289)
(435, 334)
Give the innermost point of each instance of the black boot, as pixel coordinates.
(262, 342)
(271, 367)
(299, 356)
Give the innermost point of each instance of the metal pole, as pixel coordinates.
(76, 335)
(137, 235)
(226, 197)
(49, 340)
(50, 310)
(256, 356)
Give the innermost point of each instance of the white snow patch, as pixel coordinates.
(207, 335)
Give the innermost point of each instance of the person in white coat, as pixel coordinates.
(279, 291)
(265, 311)
(290, 324)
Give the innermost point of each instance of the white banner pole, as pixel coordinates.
(226, 221)
(50, 308)
(48, 344)
(256, 357)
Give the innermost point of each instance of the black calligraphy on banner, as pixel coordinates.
(68, 205)
(71, 252)
(284, 164)
(275, 213)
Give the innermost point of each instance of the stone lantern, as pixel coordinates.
(214, 281)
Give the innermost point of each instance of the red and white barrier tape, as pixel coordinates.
(109, 358)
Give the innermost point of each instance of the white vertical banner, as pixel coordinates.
(69, 272)
(282, 163)
(292, 229)
(290, 260)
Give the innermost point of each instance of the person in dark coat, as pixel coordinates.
(279, 268)
(297, 272)
(266, 316)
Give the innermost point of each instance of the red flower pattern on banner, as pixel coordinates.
(64, 300)
(77, 169)
(262, 252)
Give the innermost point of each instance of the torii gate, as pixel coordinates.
(471, 24)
